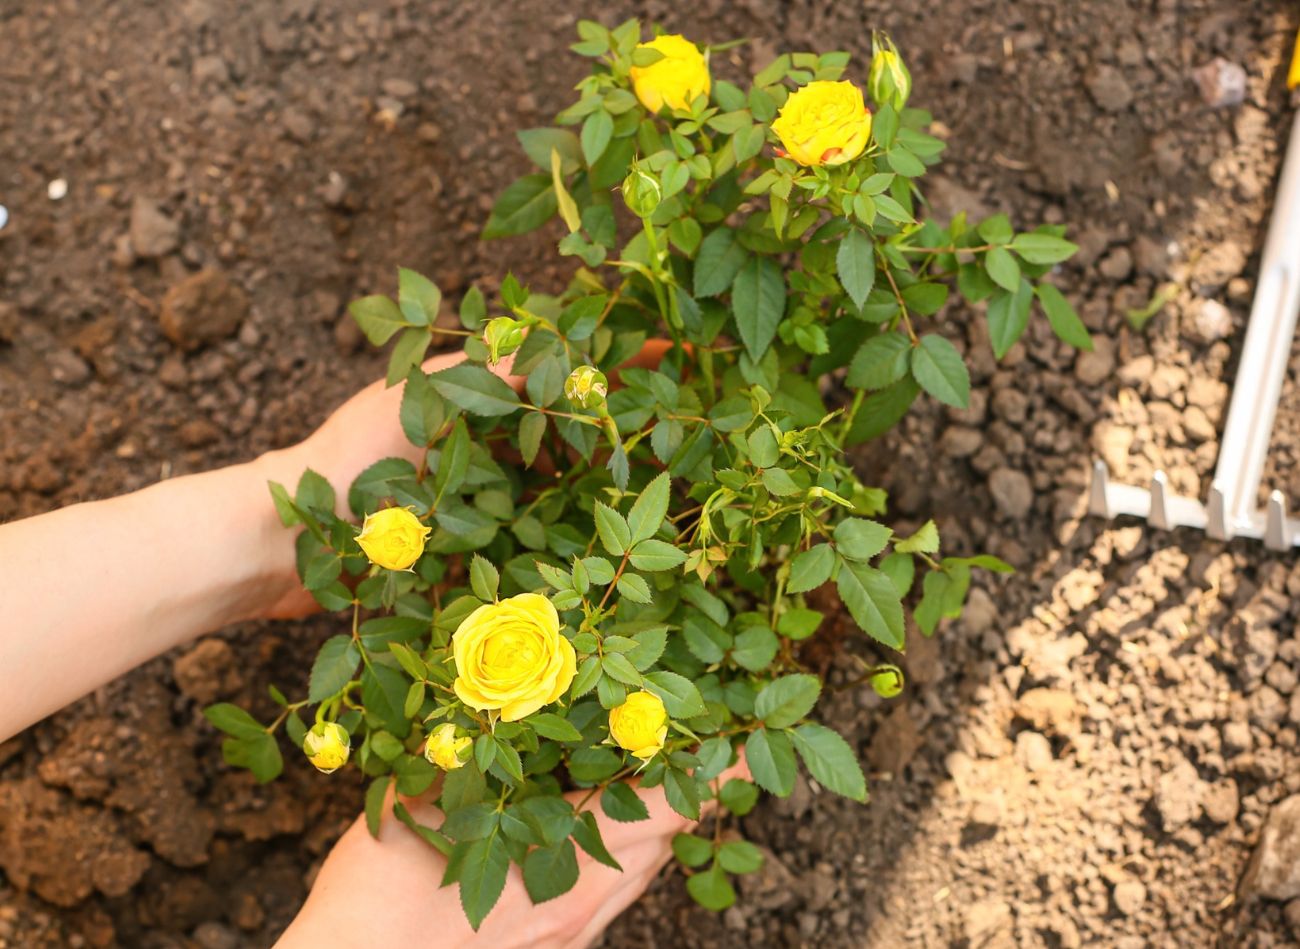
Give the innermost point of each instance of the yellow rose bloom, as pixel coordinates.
(327, 746)
(824, 123)
(640, 724)
(393, 538)
(446, 750)
(676, 79)
(511, 658)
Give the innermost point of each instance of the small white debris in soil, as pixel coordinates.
(1221, 83)
(4, 216)
(57, 189)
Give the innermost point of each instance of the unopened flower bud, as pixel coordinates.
(444, 749)
(887, 680)
(327, 746)
(889, 80)
(503, 336)
(586, 387)
(642, 192)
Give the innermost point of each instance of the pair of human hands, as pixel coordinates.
(391, 885)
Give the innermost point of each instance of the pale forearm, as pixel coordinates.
(92, 590)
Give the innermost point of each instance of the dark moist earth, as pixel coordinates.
(1086, 758)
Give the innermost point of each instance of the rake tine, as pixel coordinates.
(1217, 509)
(1098, 503)
(1159, 516)
(1277, 529)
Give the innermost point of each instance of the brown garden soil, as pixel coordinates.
(1085, 758)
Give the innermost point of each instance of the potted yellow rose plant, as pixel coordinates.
(632, 597)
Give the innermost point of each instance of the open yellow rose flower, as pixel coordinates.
(640, 724)
(445, 750)
(824, 123)
(393, 538)
(677, 79)
(511, 658)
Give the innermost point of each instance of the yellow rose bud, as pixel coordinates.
(586, 387)
(824, 123)
(511, 658)
(393, 538)
(640, 724)
(889, 80)
(642, 192)
(503, 336)
(327, 746)
(675, 80)
(445, 750)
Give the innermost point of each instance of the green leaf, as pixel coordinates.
(418, 297)
(714, 754)
(613, 530)
(739, 796)
(475, 390)
(550, 725)
(779, 482)
(453, 461)
(771, 761)
(333, 668)
(430, 836)
(284, 506)
(422, 412)
(855, 262)
(901, 570)
(484, 579)
(649, 510)
(811, 568)
(873, 602)
(596, 133)
(830, 760)
(1038, 248)
(234, 721)
(1008, 315)
(620, 802)
(692, 851)
(540, 142)
(407, 354)
(755, 648)
(683, 793)
(531, 429)
(798, 623)
(740, 856)
(524, 206)
(375, 803)
(1002, 268)
(680, 696)
(719, 260)
(758, 303)
(711, 889)
(786, 700)
(378, 316)
(617, 666)
(924, 541)
(881, 411)
(655, 555)
(586, 831)
(880, 361)
(482, 876)
(508, 758)
(941, 371)
(650, 645)
(764, 452)
(996, 229)
(564, 201)
(550, 871)
(1064, 320)
(859, 539)
(473, 309)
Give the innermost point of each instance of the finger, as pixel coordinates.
(643, 864)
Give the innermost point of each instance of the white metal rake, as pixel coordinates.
(1231, 508)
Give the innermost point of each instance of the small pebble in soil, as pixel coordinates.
(57, 189)
(1221, 83)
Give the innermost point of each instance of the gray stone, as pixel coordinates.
(1109, 89)
(1012, 492)
(1274, 870)
(153, 234)
(1221, 83)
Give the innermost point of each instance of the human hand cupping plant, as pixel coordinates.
(636, 605)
